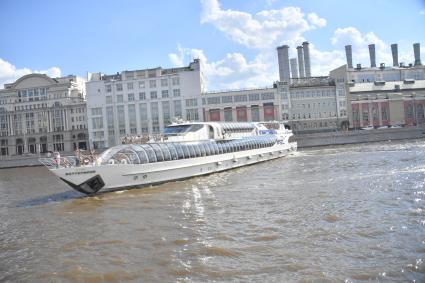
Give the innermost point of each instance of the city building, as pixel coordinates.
(242, 105)
(393, 103)
(40, 114)
(309, 104)
(384, 96)
(141, 102)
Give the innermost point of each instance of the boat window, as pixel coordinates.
(220, 148)
(191, 150)
(179, 149)
(224, 147)
(207, 149)
(149, 152)
(216, 150)
(173, 151)
(252, 144)
(197, 148)
(165, 151)
(212, 148)
(177, 129)
(142, 155)
(186, 151)
(203, 149)
(158, 152)
(195, 127)
(127, 154)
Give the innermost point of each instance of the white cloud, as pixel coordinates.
(316, 21)
(231, 72)
(177, 59)
(9, 73)
(263, 29)
(422, 12)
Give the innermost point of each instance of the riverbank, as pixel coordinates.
(359, 136)
(304, 141)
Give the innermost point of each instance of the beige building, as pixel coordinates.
(381, 103)
(40, 114)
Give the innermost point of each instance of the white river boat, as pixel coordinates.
(185, 150)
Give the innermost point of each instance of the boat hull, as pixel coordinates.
(91, 179)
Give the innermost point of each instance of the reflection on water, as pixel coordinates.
(350, 213)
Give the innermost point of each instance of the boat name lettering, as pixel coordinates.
(80, 172)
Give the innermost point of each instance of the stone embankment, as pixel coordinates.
(304, 141)
(359, 136)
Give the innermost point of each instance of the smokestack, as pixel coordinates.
(283, 60)
(349, 55)
(394, 51)
(372, 55)
(307, 59)
(417, 51)
(300, 61)
(294, 68)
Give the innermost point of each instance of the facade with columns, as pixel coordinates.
(40, 114)
(382, 103)
(307, 105)
(141, 103)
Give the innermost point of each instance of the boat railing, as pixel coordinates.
(67, 161)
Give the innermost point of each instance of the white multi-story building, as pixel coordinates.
(141, 102)
(40, 114)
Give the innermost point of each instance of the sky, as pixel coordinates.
(236, 40)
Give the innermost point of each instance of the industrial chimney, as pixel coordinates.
(294, 68)
(394, 51)
(283, 60)
(300, 61)
(417, 51)
(349, 55)
(372, 55)
(307, 59)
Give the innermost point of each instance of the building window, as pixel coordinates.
(227, 99)
(176, 92)
(176, 81)
(228, 114)
(212, 100)
(267, 96)
(192, 114)
(164, 94)
(119, 87)
(178, 108)
(240, 98)
(142, 84)
(254, 96)
(152, 83)
(108, 88)
(166, 113)
(130, 96)
(164, 82)
(154, 95)
(129, 86)
(121, 119)
(96, 111)
(120, 98)
(97, 123)
(191, 102)
(142, 96)
(132, 118)
(109, 99)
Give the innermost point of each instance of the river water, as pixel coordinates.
(350, 213)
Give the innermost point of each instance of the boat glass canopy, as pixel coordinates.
(159, 152)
